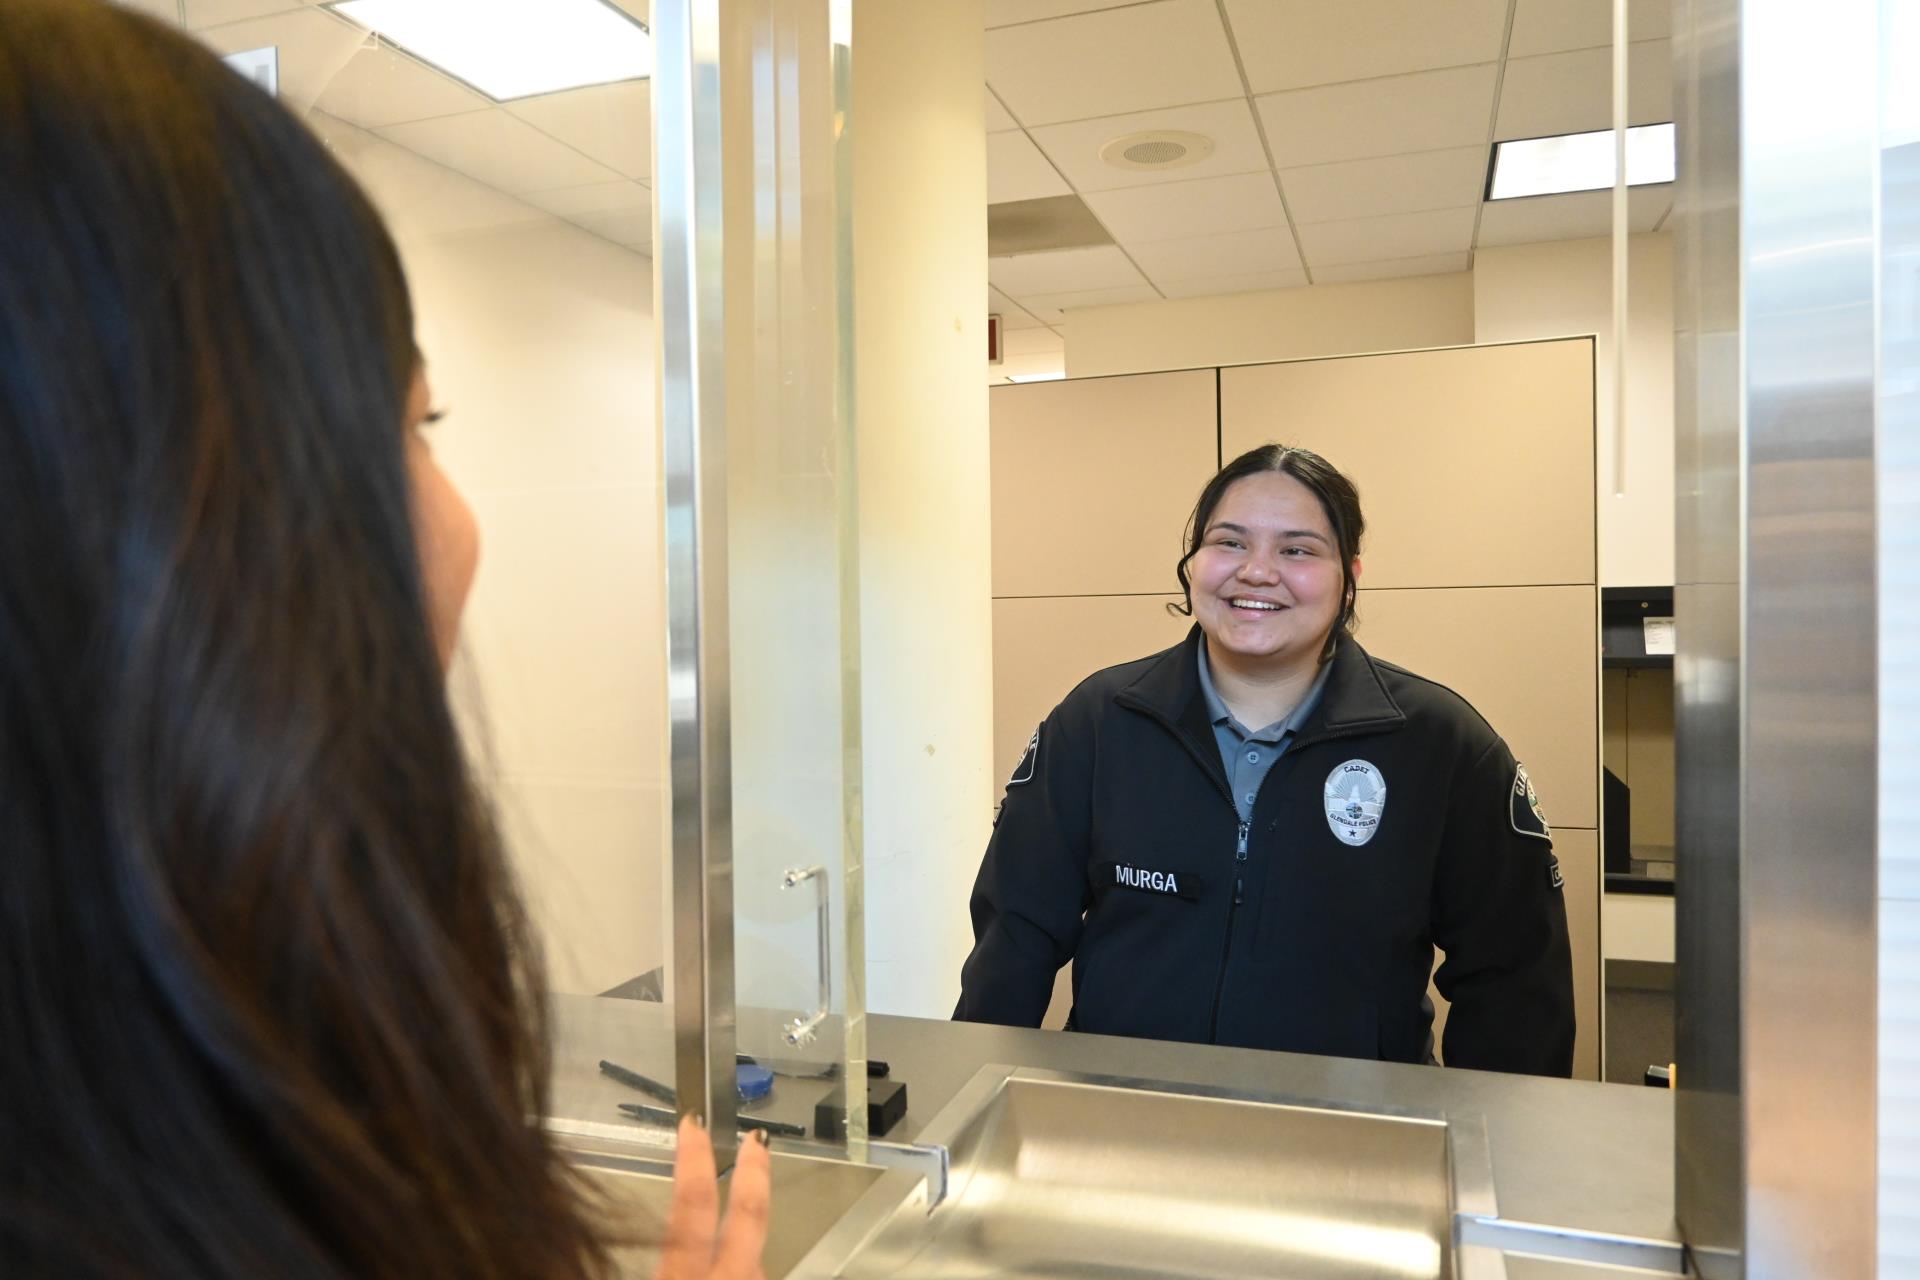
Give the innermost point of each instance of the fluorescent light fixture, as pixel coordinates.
(1579, 162)
(513, 48)
(1035, 377)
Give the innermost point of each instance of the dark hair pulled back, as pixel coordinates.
(1338, 496)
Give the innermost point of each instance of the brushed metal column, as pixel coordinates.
(1775, 728)
(690, 285)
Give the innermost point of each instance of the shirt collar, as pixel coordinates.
(1218, 713)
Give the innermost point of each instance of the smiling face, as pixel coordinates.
(1267, 582)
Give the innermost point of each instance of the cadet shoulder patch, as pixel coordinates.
(1523, 805)
(1023, 772)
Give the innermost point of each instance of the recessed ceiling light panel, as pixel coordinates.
(513, 48)
(1579, 162)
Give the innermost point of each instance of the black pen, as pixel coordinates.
(745, 1123)
(634, 1080)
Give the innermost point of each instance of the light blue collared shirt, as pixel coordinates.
(1249, 755)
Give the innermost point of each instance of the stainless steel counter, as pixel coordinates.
(1583, 1160)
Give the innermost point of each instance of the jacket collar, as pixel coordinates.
(1355, 699)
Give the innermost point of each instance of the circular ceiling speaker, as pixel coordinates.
(1157, 149)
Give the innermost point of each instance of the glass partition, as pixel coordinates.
(526, 215)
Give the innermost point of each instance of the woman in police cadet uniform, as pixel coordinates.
(1258, 836)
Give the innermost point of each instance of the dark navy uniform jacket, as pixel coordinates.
(1119, 847)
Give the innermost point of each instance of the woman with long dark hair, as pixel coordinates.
(1259, 836)
(268, 1003)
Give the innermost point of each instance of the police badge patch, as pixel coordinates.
(1356, 796)
(1524, 806)
(1023, 772)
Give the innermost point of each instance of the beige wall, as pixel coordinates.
(1279, 324)
(539, 339)
(920, 247)
(1566, 287)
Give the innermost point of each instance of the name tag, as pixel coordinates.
(1174, 884)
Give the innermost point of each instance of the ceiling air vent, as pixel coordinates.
(1037, 226)
(1157, 149)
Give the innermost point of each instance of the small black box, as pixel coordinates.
(886, 1103)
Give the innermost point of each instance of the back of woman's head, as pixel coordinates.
(266, 1002)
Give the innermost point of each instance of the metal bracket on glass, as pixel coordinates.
(802, 1030)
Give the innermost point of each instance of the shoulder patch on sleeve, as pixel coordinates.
(1523, 805)
(1023, 772)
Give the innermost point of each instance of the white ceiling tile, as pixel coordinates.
(1057, 304)
(1016, 170)
(1012, 314)
(1237, 252)
(1033, 342)
(611, 123)
(429, 199)
(1246, 282)
(379, 86)
(1438, 264)
(998, 121)
(1578, 215)
(313, 46)
(1397, 235)
(1290, 44)
(1111, 62)
(629, 230)
(1573, 92)
(210, 13)
(1388, 184)
(1075, 148)
(1062, 271)
(1551, 26)
(595, 197)
(500, 150)
(1177, 210)
(1005, 13)
(1422, 112)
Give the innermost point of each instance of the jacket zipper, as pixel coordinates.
(1240, 845)
(1233, 909)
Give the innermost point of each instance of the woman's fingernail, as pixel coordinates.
(699, 1121)
(762, 1137)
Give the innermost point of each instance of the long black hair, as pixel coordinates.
(1338, 496)
(267, 1000)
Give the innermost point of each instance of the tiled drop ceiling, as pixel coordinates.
(1352, 137)
(581, 155)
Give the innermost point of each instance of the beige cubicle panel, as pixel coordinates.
(1043, 647)
(1093, 480)
(1525, 658)
(1475, 464)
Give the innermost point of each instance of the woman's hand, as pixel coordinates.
(699, 1246)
